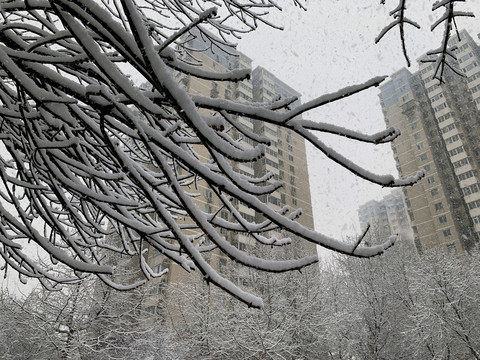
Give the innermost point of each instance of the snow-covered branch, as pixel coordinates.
(96, 166)
(399, 20)
(440, 56)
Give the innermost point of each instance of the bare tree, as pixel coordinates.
(402, 306)
(372, 304)
(446, 309)
(18, 339)
(87, 320)
(211, 325)
(94, 164)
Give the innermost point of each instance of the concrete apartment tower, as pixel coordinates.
(386, 217)
(285, 158)
(287, 155)
(440, 124)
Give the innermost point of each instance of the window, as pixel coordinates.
(444, 117)
(224, 214)
(434, 192)
(452, 139)
(448, 128)
(440, 107)
(427, 167)
(438, 206)
(267, 130)
(460, 163)
(417, 136)
(292, 169)
(414, 126)
(424, 157)
(243, 96)
(473, 77)
(280, 152)
(294, 202)
(271, 163)
(475, 88)
(471, 189)
(242, 246)
(290, 147)
(442, 219)
(208, 209)
(293, 191)
(427, 69)
(433, 87)
(271, 152)
(474, 204)
(447, 233)
(476, 219)
(273, 200)
(430, 179)
(466, 175)
(420, 146)
(268, 92)
(208, 195)
(247, 217)
(456, 151)
(290, 157)
(292, 180)
(436, 97)
(470, 66)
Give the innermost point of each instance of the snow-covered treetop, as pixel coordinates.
(95, 165)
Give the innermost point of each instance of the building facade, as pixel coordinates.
(440, 124)
(285, 158)
(386, 217)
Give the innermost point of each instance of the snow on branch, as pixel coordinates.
(399, 20)
(95, 167)
(440, 57)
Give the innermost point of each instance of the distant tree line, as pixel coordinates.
(398, 306)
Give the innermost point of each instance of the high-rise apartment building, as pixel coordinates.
(440, 124)
(287, 155)
(285, 158)
(386, 217)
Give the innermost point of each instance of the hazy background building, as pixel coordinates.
(440, 124)
(386, 217)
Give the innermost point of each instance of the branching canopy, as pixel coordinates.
(440, 56)
(94, 164)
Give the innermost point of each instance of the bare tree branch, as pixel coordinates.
(441, 55)
(399, 20)
(96, 167)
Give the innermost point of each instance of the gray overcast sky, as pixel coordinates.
(331, 46)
